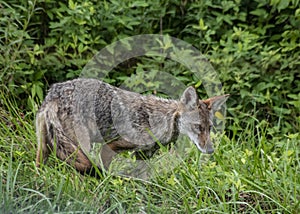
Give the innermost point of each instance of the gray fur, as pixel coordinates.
(77, 116)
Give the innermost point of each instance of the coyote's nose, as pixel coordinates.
(209, 148)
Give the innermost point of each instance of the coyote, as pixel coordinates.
(80, 114)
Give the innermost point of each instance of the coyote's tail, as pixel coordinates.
(51, 138)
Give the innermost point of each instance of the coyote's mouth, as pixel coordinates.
(207, 148)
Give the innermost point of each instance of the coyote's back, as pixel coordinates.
(87, 118)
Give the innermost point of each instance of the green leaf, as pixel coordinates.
(72, 5)
(39, 92)
(202, 26)
(280, 110)
(139, 4)
(197, 85)
(283, 4)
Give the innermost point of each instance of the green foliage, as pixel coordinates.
(247, 174)
(20, 69)
(253, 45)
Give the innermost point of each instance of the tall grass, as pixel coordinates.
(252, 172)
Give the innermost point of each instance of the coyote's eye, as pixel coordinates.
(196, 128)
(200, 128)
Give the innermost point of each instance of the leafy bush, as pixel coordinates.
(253, 45)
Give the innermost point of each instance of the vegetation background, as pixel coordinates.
(253, 45)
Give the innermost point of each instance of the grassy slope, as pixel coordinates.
(249, 173)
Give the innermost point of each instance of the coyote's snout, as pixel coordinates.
(196, 118)
(77, 115)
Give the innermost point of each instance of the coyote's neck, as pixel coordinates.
(163, 118)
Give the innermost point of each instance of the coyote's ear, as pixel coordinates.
(214, 103)
(189, 98)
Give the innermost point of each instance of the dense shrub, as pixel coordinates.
(253, 45)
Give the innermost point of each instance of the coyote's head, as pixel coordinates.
(196, 116)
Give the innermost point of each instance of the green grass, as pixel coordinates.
(252, 172)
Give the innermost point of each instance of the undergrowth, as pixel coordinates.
(249, 173)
